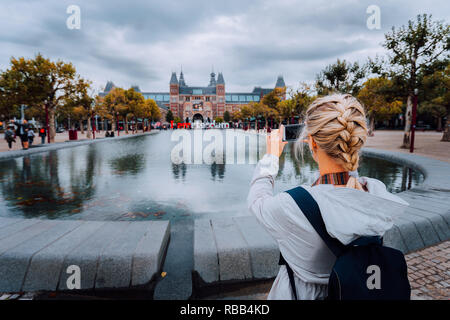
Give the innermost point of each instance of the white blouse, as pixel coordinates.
(347, 213)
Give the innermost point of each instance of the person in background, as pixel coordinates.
(22, 133)
(31, 136)
(42, 134)
(10, 136)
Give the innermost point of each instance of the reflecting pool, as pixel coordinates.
(135, 179)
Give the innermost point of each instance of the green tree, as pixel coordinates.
(246, 112)
(341, 76)
(177, 120)
(149, 111)
(301, 99)
(114, 102)
(101, 111)
(437, 98)
(272, 98)
(412, 48)
(169, 116)
(134, 104)
(236, 115)
(41, 83)
(285, 110)
(378, 102)
(226, 116)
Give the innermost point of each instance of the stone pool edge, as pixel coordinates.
(5, 155)
(239, 249)
(35, 253)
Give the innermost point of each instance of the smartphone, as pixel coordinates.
(292, 131)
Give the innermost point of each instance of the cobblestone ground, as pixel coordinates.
(429, 272)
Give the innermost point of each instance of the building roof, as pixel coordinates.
(136, 88)
(173, 78)
(280, 82)
(109, 86)
(220, 79)
(181, 82)
(263, 91)
(198, 90)
(212, 80)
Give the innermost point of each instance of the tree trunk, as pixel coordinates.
(446, 135)
(126, 124)
(88, 130)
(439, 123)
(408, 119)
(52, 129)
(81, 126)
(371, 125)
(113, 125)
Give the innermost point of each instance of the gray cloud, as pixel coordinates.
(251, 42)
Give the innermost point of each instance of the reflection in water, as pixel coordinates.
(129, 164)
(179, 171)
(135, 179)
(217, 170)
(37, 189)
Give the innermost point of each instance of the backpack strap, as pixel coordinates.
(311, 210)
(290, 275)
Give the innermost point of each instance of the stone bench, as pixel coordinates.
(233, 249)
(35, 254)
(240, 249)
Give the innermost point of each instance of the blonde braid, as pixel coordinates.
(337, 123)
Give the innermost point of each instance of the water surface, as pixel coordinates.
(135, 179)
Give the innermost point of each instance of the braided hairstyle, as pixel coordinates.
(337, 123)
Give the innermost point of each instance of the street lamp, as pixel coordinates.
(117, 122)
(94, 123)
(22, 112)
(413, 121)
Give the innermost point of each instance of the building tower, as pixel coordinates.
(220, 93)
(174, 94)
(212, 80)
(182, 83)
(281, 85)
(280, 82)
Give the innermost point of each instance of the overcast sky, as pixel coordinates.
(141, 42)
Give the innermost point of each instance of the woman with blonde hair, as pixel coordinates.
(351, 206)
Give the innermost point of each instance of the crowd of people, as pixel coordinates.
(25, 132)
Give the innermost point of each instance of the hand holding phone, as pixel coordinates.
(291, 132)
(275, 143)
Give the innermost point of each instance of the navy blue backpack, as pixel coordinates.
(364, 269)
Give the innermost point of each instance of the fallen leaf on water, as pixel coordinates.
(163, 274)
(129, 215)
